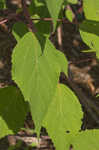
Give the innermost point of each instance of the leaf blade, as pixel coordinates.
(54, 7)
(43, 70)
(63, 119)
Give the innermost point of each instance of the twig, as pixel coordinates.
(39, 142)
(3, 21)
(30, 20)
(59, 36)
(27, 16)
(9, 17)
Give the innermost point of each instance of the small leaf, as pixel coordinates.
(97, 95)
(89, 31)
(54, 7)
(69, 15)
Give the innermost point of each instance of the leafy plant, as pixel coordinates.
(36, 68)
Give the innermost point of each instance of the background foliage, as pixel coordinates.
(36, 68)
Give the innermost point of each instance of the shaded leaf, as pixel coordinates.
(89, 31)
(44, 27)
(90, 26)
(38, 9)
(13, 110)
(19, 30)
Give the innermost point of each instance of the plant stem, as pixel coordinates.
(28, 17)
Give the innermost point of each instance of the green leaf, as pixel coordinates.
(72, 1)
(91, 9)
(13, 110)
(97, 95)
(54, 7)
(19, 30)
(39, 10)
(90, 26)
(86, 140)
(88, 51)
(63, 118)
(89, 31)
(37, 73)
(43, 27)
(2, 4)
(69, 15)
